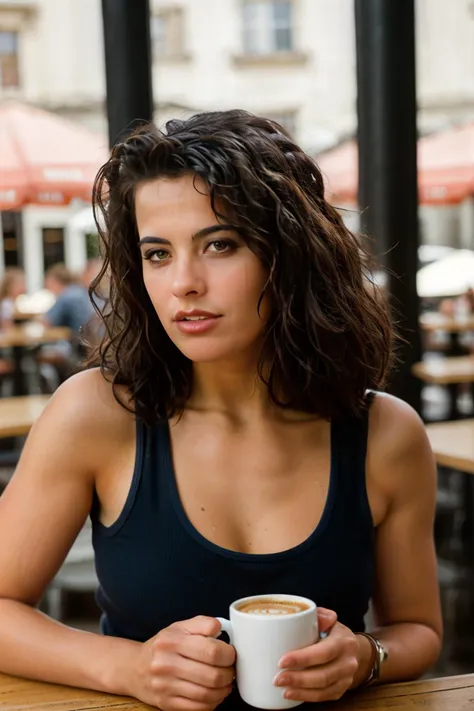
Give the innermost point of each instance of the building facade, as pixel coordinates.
(292, 60)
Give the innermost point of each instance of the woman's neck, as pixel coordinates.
(234, 389)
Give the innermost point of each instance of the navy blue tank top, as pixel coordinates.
(155, 568)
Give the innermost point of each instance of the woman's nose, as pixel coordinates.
(188, 279)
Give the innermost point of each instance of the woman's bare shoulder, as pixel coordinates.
(393, 423)
(89, 404)
(399, 454)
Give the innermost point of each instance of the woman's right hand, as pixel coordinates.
(184, 668)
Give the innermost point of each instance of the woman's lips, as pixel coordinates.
(201, 325)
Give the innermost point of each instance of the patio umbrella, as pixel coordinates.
(45, 159)
(445, 168)
(451, 276)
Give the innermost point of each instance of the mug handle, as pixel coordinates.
(226, 626)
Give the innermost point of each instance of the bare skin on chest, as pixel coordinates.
(259, 487)
(254, 488)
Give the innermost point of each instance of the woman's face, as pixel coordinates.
(203, 281)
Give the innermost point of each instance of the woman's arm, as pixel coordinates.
(401, 483)
(41, 512)
(407, 612)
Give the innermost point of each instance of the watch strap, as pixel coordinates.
(380, 656)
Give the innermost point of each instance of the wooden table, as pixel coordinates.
(33, 334)
(29, 335)
(446, 371)
(449, 371)
(18, 414)
(453, 444)
(449, 694)
(452, 325)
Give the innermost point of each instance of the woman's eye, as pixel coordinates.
(221, 245)
(156, 255)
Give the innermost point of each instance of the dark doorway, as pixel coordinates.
(11, 227)
(53, 246)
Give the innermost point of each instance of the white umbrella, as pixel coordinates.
(450, 276)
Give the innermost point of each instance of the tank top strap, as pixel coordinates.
(146, 449)
(349, 444)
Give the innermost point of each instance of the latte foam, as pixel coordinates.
(272, 608)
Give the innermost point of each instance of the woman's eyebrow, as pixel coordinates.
(200, 234)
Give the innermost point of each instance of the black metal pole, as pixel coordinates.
(127, 64)
(388, 197)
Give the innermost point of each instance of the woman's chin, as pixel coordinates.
(213, 352)
(206, 354)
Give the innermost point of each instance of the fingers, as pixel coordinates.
(320, 678)
(188, 669)
(322, 652)
(208, 651)
(169, 665)
(205, 626)
(326, 619)
(331, 693)
(187, 690)
(177, 639)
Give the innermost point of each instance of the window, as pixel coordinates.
(9, 75)
(167, 29)
(267, 26)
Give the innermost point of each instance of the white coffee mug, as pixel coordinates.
(261, 640)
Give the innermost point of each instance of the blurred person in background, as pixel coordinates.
(72, 308)
(11, 287)
(232, 441)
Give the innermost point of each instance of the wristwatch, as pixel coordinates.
(381, 656)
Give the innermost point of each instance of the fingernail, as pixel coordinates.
(280, 680)
(287, 694)
(286, 662)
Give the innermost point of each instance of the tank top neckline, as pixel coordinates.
(258, 558)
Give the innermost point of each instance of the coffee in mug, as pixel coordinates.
(272, 606)
(262, 629)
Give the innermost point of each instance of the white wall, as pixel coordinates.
(322, 89)
(62, 63)
(63, 60)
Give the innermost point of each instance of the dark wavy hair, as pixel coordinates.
(329, 337)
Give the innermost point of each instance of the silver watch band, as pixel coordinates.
(381, 655)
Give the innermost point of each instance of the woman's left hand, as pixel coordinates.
(325, 670)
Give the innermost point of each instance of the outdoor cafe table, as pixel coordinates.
(19, 338)
(450, 372)
(452, 325)
(18, 414)
(453, 446)
(448, 694)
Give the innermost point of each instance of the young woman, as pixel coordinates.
(229, 444)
